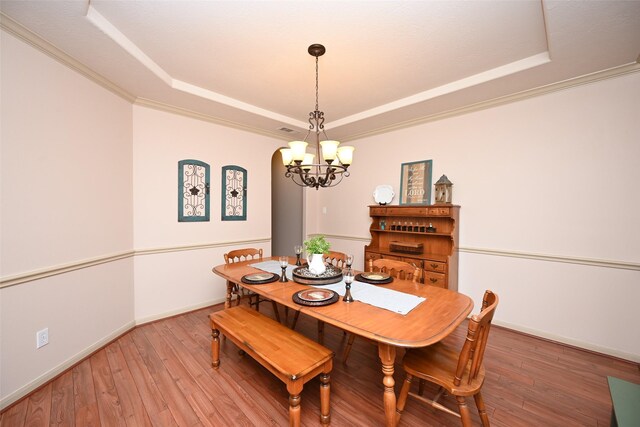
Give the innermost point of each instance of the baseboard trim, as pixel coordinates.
(580, 345)
(63, 367)
(99, 345)
(179, 311)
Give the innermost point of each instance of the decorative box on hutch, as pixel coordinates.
(426, 236)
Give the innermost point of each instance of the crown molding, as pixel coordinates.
(21, 32)
(156, 105)
(31, 38)
(610, 73)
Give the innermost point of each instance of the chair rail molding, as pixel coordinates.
(607, 263)
(80, 264)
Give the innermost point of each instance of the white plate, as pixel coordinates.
(258, 277)
(383, 194)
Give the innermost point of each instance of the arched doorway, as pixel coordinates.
(286, 210)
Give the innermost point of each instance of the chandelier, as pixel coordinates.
(328, 171)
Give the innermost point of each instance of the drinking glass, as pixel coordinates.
(284, 262)
(348, 279)
(298, 249)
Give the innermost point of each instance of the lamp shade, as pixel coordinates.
(329, 149)
(298, 149)
(287, 156)
(345, 154)
(307, 161)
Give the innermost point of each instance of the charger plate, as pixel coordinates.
(374, 278)
(302, 275)
(259, 278)
(315, 297)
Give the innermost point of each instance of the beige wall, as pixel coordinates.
(551, 176)
(66, 171)
(176, 280)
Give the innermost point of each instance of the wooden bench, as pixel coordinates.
(290, 356)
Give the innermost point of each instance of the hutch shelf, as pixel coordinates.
(426, 236)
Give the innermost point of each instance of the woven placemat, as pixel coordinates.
(296, 298)
(271, 279)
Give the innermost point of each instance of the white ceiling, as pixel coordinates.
(388, 63)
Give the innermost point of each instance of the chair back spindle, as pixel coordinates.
(472, 353)
(397, 269)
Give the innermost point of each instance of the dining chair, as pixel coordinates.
(254, 299)
(338, 259)
(396, 269)
(458, 372)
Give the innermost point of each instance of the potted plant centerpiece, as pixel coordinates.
(316, 247)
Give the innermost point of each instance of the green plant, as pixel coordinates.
(316, 245)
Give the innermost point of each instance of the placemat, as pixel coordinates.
(246, 279)
(386, 281)
(296, 298)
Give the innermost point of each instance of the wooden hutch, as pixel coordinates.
(406, 233)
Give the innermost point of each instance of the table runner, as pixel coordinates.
(388, 299)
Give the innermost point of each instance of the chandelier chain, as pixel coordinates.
(317, 108)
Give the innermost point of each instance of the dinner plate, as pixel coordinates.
(315, 295)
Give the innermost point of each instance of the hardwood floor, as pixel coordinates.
(160, 374)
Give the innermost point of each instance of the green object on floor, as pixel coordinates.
(625, 397)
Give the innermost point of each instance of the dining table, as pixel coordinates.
(437, 314)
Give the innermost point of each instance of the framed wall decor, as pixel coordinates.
(415, 183)
(234, 193)
(193, 191)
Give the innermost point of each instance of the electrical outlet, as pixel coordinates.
(42, 337)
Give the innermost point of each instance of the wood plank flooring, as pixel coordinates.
(160, 374)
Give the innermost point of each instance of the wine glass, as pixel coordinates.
(298, 249)
(348, 279)
(284, 263)
(349, 261)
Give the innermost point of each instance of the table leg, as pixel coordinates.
(227, 302)
(387, 355)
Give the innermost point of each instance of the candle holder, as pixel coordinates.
(349, 261)
(298, 250)
(284, 262)
(348, 279)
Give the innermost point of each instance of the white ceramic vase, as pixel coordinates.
(316, 264)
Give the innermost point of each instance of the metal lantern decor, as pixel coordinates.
(300, 164)
(444, 191)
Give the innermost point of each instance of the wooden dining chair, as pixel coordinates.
(254, 299)
(337, 259)
(458, 372)
(396, 269)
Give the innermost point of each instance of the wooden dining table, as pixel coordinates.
(429, 322)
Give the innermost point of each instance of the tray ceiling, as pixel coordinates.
(388, 63)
